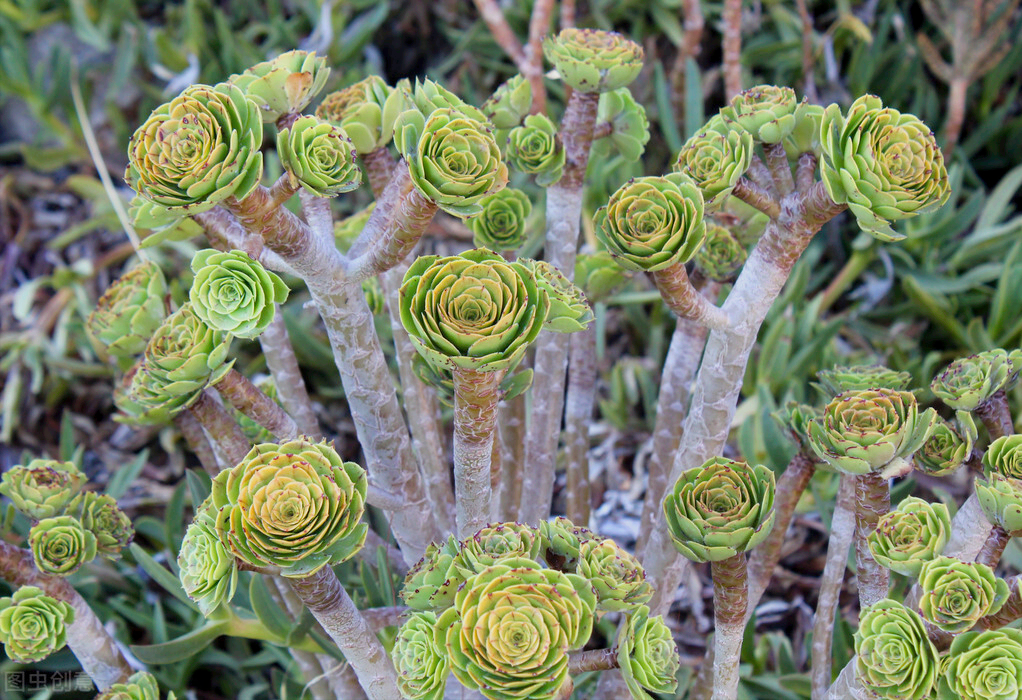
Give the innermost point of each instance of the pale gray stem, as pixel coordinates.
(195, 436)
(780, 168)
(842, 529)
(578, 415)
(592, 660)
(323, 594)
(511, 433)
(872, 501)
(476, 395)
(287, 377)
(847, 686)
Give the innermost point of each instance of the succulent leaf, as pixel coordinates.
(100, 515)
(721, 255)
(715, 158)
(627, 118)
(130, 311)
(647, 655)
(207, 568)
(970, 381)
(284, 85)
(60, 545)
(894, 657)
(366, 111)
(421, 663)
(765, 111)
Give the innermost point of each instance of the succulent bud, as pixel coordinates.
(60, 545)
(509, 103)
(912, 534)
(129, 311)
(715, 158)
(285, 85)
(721, 255)
(100, 515)
(501, 223)
(366, 111)
(534, 148)
(765, 111)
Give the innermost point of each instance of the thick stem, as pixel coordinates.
(755, 196)
(842, 530)
(191, 429)
(996, 416)
(563, 216)
(476, 395)
(511, 421)
(730, 601)
(287, 377)
(539, 27)
(247, 398)
(578, 414)
(994, 546)
(805, 172)
(847, 686)
(732, 17)
(872, 501)
(592, 660)
(324, 596)
(955, 114)
(683, 299)
(88, 640)
(764, 558)
(780, 168)
(221, 428)
(380, 166)
(760, 175)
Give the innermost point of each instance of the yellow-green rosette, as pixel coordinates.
(42, 488)
(1004, 456)
(474, 311)
(948, 447)
(983, 666)
(651, 223)
(765, 111)
(617, 576)
(956, 594)
(720, 509)
(60, 545)
(715, 158)
(885, 165)
(206, 566)
(647, 655)
(569, 308)
(911, 535)
(721, 255)
(366, 111)
(294, 507)
(421, 663)
(591, 60)
(971, 381)
(100, 515)
(233, 293)
(33, 625)
(894, 657)
(197, 150)
(501, 223)
(318, 156)
(129, 311)
(495, 542)
(140, 686)
(535, 149)
(428, 96)
(284, 85)
(840, 378)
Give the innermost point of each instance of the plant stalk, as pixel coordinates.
(223, 430)
(994, 546)
(578, 415)
(592, 660)
(247, 398)
(287, 377)
(476, 395)
(779, 167)
(511, 422)
(732, 16)
(730, 601)
(191, 429)
(756, 197)
(683, 299)
(996, 416)
(872, 501)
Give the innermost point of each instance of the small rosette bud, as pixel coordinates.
(617, 576)
(420, 659)
(501, 223)
(956, 594)
(569, 309)
(894, 657)
(535, 149)
(721, 255)
(907, 537)
(129, 311)
(496, 542)
(765, 111)
(318, 156)
(207, 568)
(33, 625)
(43, 487)
(947, 448)
(233, 293)
(969, 382)
(715, 159)
(590, 60)
(647, 655)
(347, 230)
(983, 666)
(100, 515)
(794, 417)
(140, 686)
(60, 545)
(598, 275)
(839, 379)
(285, 85)
(433, 581)
(509, 103)
(562, 542)
(1000, 497)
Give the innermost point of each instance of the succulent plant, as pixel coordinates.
(295, 506)
(420, 659)
(947, 449)
(617, 576)
(140, 686)
(914, 533)
(100, 515)
(805, 137)
(562, 542)
(494, 543)
(885, 165)
(794, 417)
(765, 111)
(651, 223)
(970, 381)
(285, 85)
(1000, 497)
(598, 275)
(43, 487)
(432, 582)
(647, 655)
(366, 111)
(129, 311)
(983, 666)
(197, 150)
(501, 223)
(429, 96)
(207, 568)
(33, 625)
(590, 60)
(511, 627)
(233, 293)
(715, 158)
(509, 103)
(955, 594)
(627, 118)
(864, 431)
(721, 255)
(1004, 456)
(720, 509)
(534, 148)
(839, 379)
(452, 158)
(319, 156)
(569, 309)
(60, 545)
(894, 657)
(474, 310)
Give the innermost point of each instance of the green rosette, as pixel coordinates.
(765, 111)
(840, 378)
(42, 488)
(598, 275)
(206, 566)
(983, 666)
(651, 223)
(618, 577)
(319, 156)
(33, 625)
(197, 150)
(894, 657)
(60, 545)
(474, 311)
(864, 431)
(956, 594)
(721, 255)
(947, 448)
(885, 165)
(511, 627)
(366, 111)
(285, 85)
(494, 543)
(130, 311)
(1000, 497)
(914, 533)
(627, 118)
(100, 515)
(591, 60)
(295, 507)
(501, 223)
(453, 158)
(794, 418)
(510, 103)
(428, 96)
(968, 382)
(562, 542)
(421, 663)
(1004, 456)
(647, 655)
(140, 686)
(569, 309)
(432, 582)
(720, 509)
(535, 149)
(233, 293)
(715, 158)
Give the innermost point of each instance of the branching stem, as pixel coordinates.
(476, 395)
